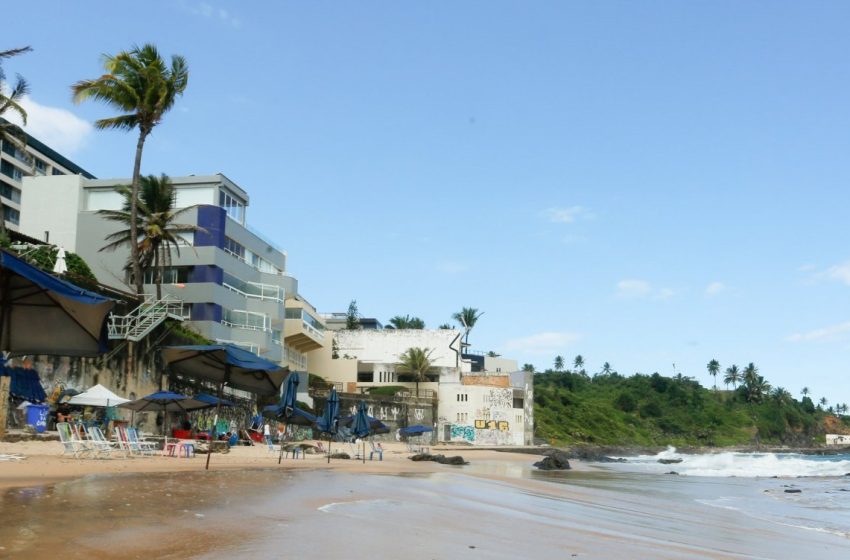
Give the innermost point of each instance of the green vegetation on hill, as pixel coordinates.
(649, 410)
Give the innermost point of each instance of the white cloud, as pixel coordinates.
(840, 272)
(542, 343)
(715, 288)
(567, 215)
(824, 334)
(209, 11)
(633, 289)
(60, 129)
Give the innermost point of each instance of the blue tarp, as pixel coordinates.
(297, 417)
(225, 363)
(212, 400)
(25, 384)
(414, 430)
(43, 314)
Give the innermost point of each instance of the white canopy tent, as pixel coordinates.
(97, 396)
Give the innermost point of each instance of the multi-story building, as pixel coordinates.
(231, 280)
(483, 402)
(36, 159)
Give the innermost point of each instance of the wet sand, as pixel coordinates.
(497, 507)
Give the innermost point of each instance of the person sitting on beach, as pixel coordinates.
(280, 433)
(63, 413)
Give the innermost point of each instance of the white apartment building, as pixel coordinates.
(36, 160)
(231, 280)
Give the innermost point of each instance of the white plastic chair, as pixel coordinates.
(71, 445)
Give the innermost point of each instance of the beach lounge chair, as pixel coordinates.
(320, 448)
(294, 448)
(101, 445)
(71, 445)
(139, 445)
(376, 449)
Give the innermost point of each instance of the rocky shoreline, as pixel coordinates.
(607, 453)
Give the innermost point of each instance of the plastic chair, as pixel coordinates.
(376, 448)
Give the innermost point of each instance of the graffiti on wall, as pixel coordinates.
(501, 425)
(466, 433)
(493, 437)
(499, 398)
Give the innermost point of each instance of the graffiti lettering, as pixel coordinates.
(463, 432)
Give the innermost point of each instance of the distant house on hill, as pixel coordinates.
(837, 439)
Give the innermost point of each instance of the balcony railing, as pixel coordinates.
(313, 330)
(253, 348)
(267, 292)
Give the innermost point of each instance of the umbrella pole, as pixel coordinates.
(364, 451)
(280, 455)
(215, 424)
(329, 449)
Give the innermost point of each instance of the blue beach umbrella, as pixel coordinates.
(362, 427)
(166, 401)
(416, 430)
(225, 364)
(41, 314)
(329, 422)
(213, 400)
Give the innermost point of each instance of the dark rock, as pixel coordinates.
(340, 455)
(793, 491)
(442, 459)
(672, 472)
(669, 461)
(556, 461)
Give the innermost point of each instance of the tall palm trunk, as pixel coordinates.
(134, 213)
(157, 265)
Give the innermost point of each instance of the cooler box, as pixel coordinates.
(37, 416)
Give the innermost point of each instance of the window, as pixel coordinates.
(234, 248)
(10, 170)
(10, 192)
(170, 275)
(234, 207)
(518, 403)
(462, 397)
(11, 215)
(519, 419)
(57, 171)
(241, 319)
(365, 377)
(40, 166)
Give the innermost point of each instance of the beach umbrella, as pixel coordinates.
(416, 430)
(329, 422)
(225, 364)
(97, 396)
(42, 314)
(362, 426)
(287, 407)
(60, 267)
(213, 400)
(375, 425)
(166, 401)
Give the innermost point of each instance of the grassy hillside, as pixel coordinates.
(653, 410)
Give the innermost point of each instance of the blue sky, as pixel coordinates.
(647, 184)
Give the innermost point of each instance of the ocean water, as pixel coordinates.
(809, 492)
(488, 509)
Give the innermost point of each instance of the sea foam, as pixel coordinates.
(749, 465)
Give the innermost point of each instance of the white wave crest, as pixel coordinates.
(749, 465)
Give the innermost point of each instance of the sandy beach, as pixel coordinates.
(498, 506)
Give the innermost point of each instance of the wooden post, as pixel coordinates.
(5, 383)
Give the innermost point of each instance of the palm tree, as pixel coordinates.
(606, 369)
(143, 88)
(823, 402)
(407, 322)
(750, 372)
(805, 391)
(733, 376)
(578, 363)
(713, 369)
(559, 363)
(756, 388)
(445, 327)
(781, 395)
(467, 317)
(158, 232)
(528, 368)
(416, 362)
(11, 102)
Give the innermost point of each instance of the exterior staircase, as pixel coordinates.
(145, 318)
